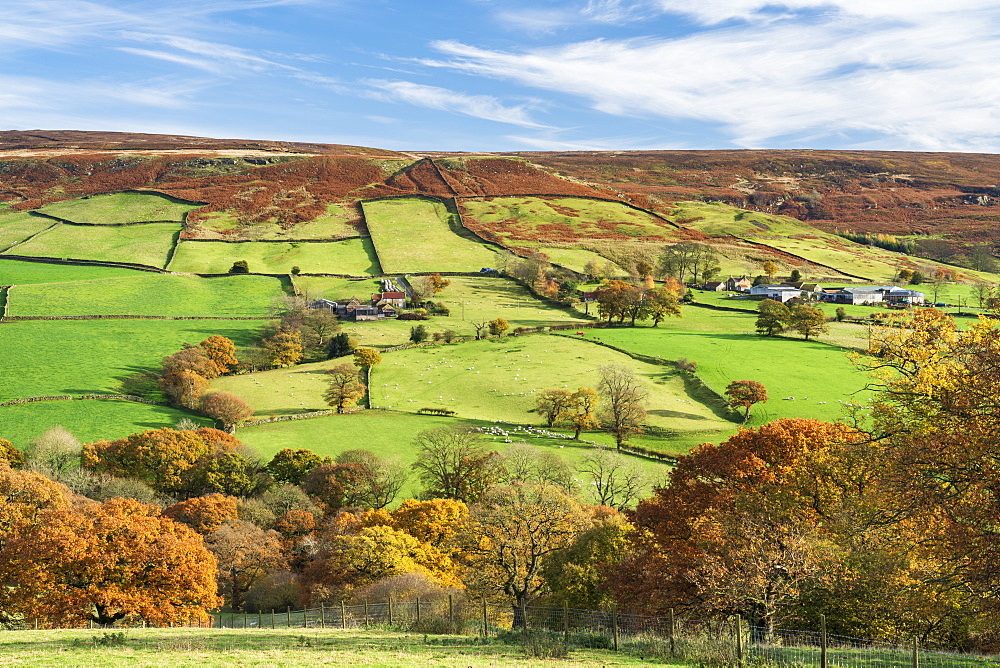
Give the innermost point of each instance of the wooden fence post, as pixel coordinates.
(486, 625)
(565, 622)
(822, 641)
(366, 612)
(322, 615)
(916, 653)
(673, 634)
(288, 616)
(614, 626)
(739, 638)
(260, 619)
(272, 618)
(451, 615)
(390, 611)
(343, 614)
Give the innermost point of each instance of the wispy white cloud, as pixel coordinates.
(539, 20)
(32, 94)
(485, 107)
(717, 11)
(919, 78)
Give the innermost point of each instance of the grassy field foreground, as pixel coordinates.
(281, 647)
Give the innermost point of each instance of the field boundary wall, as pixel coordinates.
(24, 241)
(275, 241)
(77, 261)
(364, 221)
(102, 397)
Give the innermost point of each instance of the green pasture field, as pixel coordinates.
(390, 434)
(575, 258)
(331, 287)
(351, 256)
(88, 420)
(820, 376)
(211, 648)
(717, 219)
(16, 226)
(148, 244)
(793, 236)
(494, 379)
(125, 207)
(553, 219)
(468, 298)
(477, 298)
(333, 224)
(151, 294)
(419, 234)
(25, 272)
(42, 358)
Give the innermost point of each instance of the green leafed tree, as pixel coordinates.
(809, 321)
(772, 318)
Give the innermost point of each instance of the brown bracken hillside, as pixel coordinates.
(951, 199)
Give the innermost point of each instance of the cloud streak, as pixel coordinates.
(485, 107)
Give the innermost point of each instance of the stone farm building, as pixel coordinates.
(355, 309)
(385, 304)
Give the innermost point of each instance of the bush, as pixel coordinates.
(407, 587)
(240, 267)
(276, 591)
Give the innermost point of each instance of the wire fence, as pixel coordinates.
(730, 642)
(716, 642)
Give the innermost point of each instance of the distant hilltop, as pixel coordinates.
(948, 202)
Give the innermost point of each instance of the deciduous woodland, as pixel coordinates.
(212, 396)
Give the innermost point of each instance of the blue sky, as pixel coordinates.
(512, 74)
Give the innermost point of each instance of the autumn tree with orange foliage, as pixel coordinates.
(105, 563)
(745, 394)
(166, 459)
(23, 495)
(738, 529)
(221, 351)
(206, 513)
(10, 454)
(246, 554)
(227, 408)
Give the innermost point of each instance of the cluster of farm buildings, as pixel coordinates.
(385, 304)
(783, 292)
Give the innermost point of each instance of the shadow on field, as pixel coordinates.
(677, 414)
